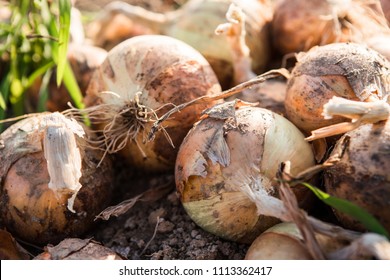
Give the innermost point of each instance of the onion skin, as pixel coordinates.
(164, 71)
(32, 211)
(331, 70)
(212, 165)
(361, 176)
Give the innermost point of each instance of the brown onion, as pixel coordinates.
(194, 23)
(285, 242)
(51, 186)
(230, 150)
(140, 80)
(299, 25)
(361, 175)
(346, 70)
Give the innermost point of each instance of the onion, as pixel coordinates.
(285, 242)
(140, 79)
(346, 70)
(51, 187)
(229, 150)
(194, 23)
(386, 9)
(361, 175)
(299, 25)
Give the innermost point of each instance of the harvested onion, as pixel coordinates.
(361, 175)
(140, 79)
(346, 70)
(229, 150)
(194, 23)
(299, 25)
(285, 242)
(51, 187)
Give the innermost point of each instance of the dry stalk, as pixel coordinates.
(359, 112)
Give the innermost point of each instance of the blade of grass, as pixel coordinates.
(72, 86)
(63, 36)
(44, 91)
(351, 209)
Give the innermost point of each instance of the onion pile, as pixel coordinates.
(140, 80)
(299, 25)
(51, 186)
(194, 23)
(346, 70)
(231, 149)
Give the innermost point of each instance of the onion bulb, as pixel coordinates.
(345, 70)
(51, 187)
(194, 23)
(361, 175)
(299, 25)
(139, 81)
(285, 242)
(231, 149)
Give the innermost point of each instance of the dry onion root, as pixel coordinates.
(345, 70)
(299, 25)
(229, 150)
(194, 23)
(51, 186)
(140, 80)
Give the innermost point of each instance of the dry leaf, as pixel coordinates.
(78, 249)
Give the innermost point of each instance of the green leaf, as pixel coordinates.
(39, 72)
(65, 9)
(351, 209)
(3, 106)
(44, 91)
(72, 86)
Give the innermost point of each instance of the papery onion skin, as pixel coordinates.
(362, 174)
(33, 212)
(163, 71)
(197, 29)
(339, 69)
(212, 165)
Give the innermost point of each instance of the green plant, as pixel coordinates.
(33, 43)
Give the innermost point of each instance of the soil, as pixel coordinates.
(158, 229)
